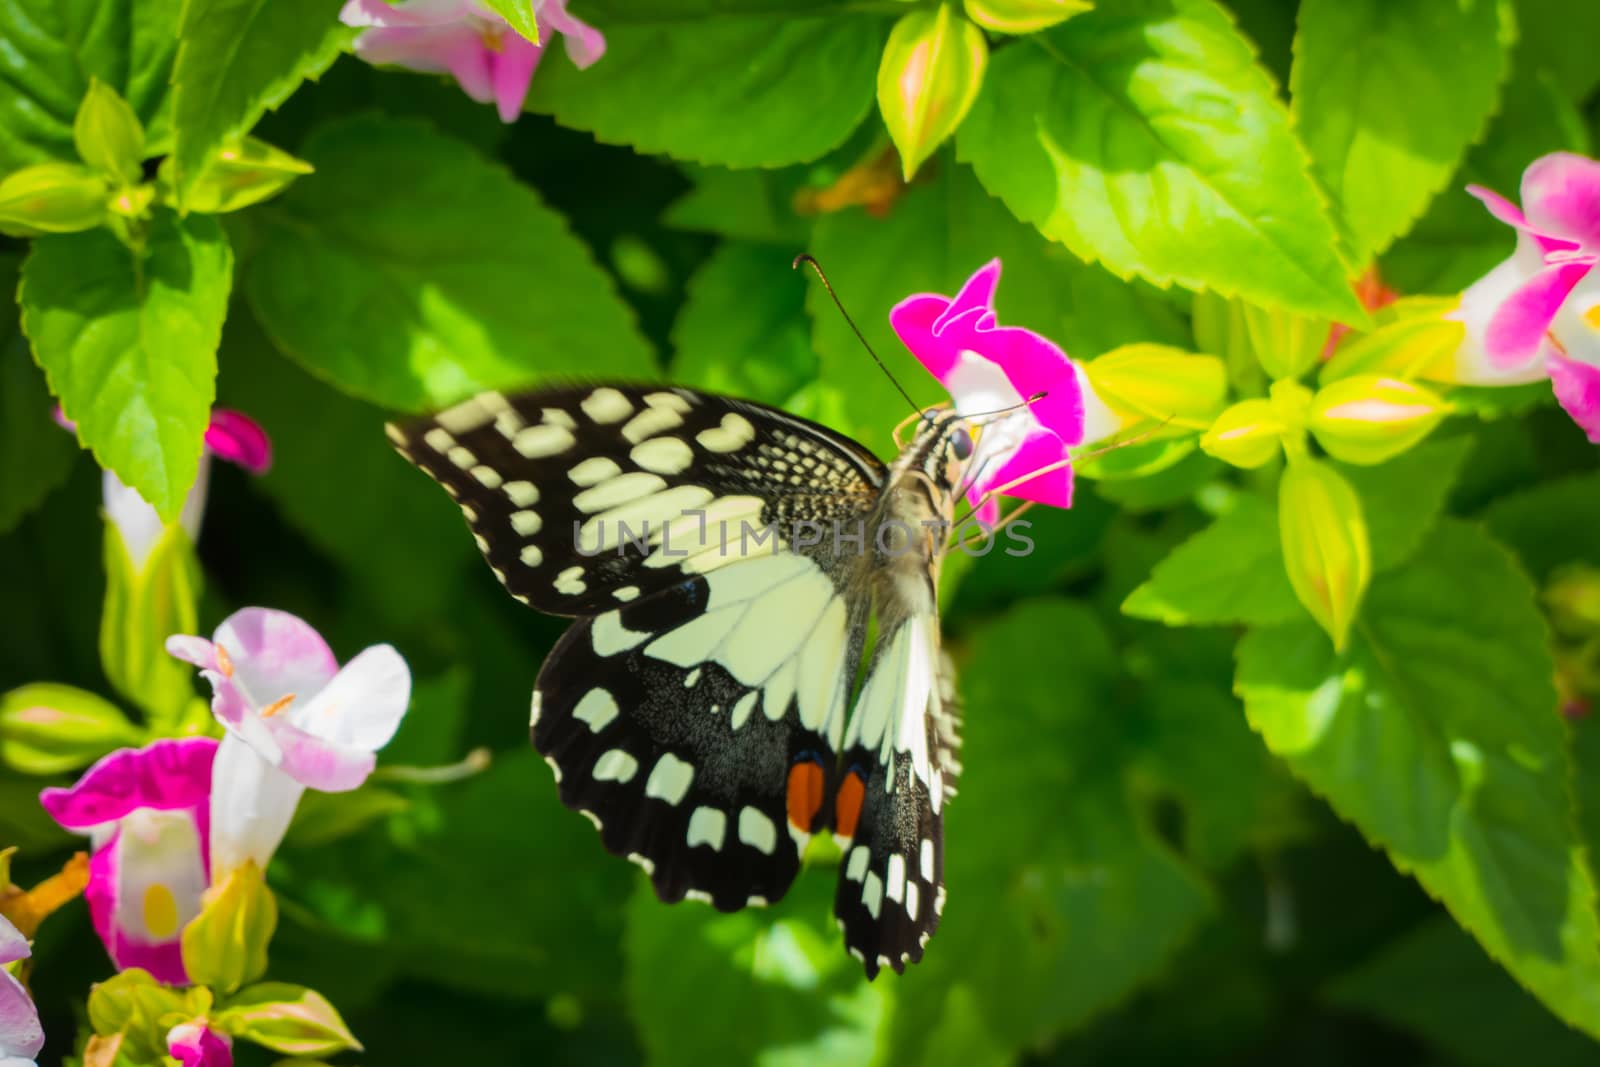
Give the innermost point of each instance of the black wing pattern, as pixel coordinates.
(695, 709)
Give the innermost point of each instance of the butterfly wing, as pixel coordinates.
(897, 769)
(694, 710)
(583, 499)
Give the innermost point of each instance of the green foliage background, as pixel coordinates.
(1187, 827)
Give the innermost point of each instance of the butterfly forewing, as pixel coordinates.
(582, 499)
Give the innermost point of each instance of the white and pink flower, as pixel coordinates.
(21, 1037)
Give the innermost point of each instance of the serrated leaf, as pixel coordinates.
(1550, 524)
(760, 85)
(415, 293)
(1401, 498)
(1230, 572)
(1436, 733)
(1106, 133)
(55, 47)
(129, 344)
(238, 58)
(1385, 122)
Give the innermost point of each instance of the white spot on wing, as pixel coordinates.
(526, 523)
(650, 422)
(522, 494)
(708, 826)
(911, 900)
(663, 455)
(741, 710)
(536, 442)
(487, 477)
(625, 593)
(615, 766)
(618, 491)
(596, 710)
(895, 882)
(609, 636)
(570, 581)
(593, 471)
(927, 860)
(855, 867)
(670, 779)
(532, 556)
(606, 406)
(757, 831)
(734, 433)
(872, 893)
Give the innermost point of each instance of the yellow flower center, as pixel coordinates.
(160, 911)
(1592, 317)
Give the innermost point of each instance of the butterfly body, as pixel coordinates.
(722, 560)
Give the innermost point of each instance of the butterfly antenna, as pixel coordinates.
(811, 261)
(1034, 399)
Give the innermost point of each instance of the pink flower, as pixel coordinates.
(295, 720)
(194, 1044)
(467, 40)
(146, 812)
(1561, 196)
(988, 367)
(21, 1037)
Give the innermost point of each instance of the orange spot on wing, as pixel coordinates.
(805, 794)
(847, 805)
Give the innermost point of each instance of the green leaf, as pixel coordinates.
(1056, 910)
(1230, 572)
(129, 344)
(1385, 122)
(1550, 524)
(758, 85)
(1440, 986)
(237, 59)
(520, 15)
(416, 293)
(797, 996)
(749, 205)
(54, 48)
(135, 1005)
(1547, 29)
(47, 728)
(1110, 134)
(743, 328)
(1402, 498)
(933, 240)
(1435, 732)
(35, 455)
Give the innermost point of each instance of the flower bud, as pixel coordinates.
(928, 78)
(225, 946)
(1285, 344)
(108, 134)
(51, 198)
(1023, 16)
(287, 1018)
(240, 175)
(141, 1010)
(195, 1044)
(51, 729)
(1246, 435)
(1325, 545)
(1367, 419)
(1151, 387)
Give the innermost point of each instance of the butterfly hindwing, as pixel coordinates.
(897, 769)
(585, 498)
(697, 727)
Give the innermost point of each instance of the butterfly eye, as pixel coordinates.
(961, 441)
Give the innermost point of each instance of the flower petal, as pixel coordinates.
(13, 946)
(320, 764)
(913, 321)
(165, 775)
(274, 654)
(136, 521)
(158, 875)
(976, 292)
(410, 13)
(1561, 195)
(20, 1033)
(510, 72)
(1038, 450)
(1516, 332)
(363, 705)
(585, 44)
(238, 438)
(250, 808)
(1577, 387)
(1498, 206)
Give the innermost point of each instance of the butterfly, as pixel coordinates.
(722, 560)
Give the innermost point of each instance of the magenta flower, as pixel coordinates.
(988, 367)
(295, 720)
(21, 1037)
(194, 1044)
(146, 812)
(467, 40)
